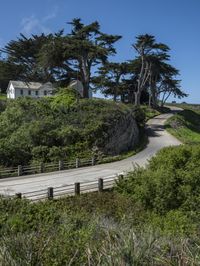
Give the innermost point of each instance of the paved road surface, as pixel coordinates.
(158, 138)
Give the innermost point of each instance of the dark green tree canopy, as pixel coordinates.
(79, 51)
(23, 53)
(109, 78)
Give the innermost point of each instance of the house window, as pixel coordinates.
(36, 93)
(21, 92)
(45, 92)
(29, 92)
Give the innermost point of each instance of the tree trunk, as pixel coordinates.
(149, 99)
(132, 97)
(142, 80)
(85, 72)
(154, 100)
(86, 88)
(153, 94)
(164, 101)
(137, 98)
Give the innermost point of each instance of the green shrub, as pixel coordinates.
(176, 223)
(65, 99)
(171, 180)
(43, 130)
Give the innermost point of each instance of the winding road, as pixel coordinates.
(158, 138)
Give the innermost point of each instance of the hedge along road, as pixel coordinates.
(158, 138)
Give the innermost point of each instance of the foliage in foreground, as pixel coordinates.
(93, 229)
(117, 245)
(150, 218)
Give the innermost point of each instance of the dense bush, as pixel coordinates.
(56, 127)
(171, 181)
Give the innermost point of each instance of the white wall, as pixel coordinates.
(11, 92)
(25, 93)
(41, 93)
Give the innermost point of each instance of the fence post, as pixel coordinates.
(20, 170)
(93, 161)
(100, 184)
(50, 193)
(42, 168)
(77, 163)
(77, 189)
(18, 195)
(60, 165)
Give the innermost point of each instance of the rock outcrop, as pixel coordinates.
(123, 136)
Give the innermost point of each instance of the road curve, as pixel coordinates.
(158, 138)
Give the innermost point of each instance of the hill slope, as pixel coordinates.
(61, 127)
(186, 124)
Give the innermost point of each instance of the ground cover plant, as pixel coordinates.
(186, 124)
(2, 96)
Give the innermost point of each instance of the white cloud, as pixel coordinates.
(34, 25)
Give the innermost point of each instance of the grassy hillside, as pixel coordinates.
(150, 218)
(152, 112)
(2, 96)
(186, 124)
(59, 127)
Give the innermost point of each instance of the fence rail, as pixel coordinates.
(46, 167)
(70, 190)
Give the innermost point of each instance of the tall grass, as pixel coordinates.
(115, 244)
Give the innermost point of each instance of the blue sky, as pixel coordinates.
(174, 22)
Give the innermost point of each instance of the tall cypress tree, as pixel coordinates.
(79, 51)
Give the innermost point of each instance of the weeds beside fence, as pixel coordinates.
(70, 190)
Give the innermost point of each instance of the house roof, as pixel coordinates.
(25, 85)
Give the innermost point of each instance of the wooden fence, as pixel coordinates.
(70, 190)
(46, 167)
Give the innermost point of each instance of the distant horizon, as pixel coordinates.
(170, 23)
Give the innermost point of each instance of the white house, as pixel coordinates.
(77, 85)
(32, 89)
